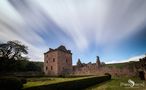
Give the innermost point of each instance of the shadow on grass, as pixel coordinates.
(72, 85)
(99, 84)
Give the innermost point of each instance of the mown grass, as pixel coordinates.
(114, 84)
(47, 80)
(68, 83)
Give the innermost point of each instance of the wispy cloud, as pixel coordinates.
(103, 21)
(39, 24)
(135, 58)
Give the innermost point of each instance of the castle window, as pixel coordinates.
(46, 68)
(66, 60)
(53, 59)
(47, 61)
(51, 67)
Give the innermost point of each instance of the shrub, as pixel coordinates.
(141, 75)
(23, 80)
(10, 83)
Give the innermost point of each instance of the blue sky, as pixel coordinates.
(115, 30)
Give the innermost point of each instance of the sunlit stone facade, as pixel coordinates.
(58, 61)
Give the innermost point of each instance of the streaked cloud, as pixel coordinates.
(135, 58)
(78, 24)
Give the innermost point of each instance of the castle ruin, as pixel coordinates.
(59, 62)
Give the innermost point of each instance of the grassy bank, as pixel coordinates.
(114, 84)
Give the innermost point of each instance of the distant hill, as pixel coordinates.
(117, 65)
(135, 58)
(122, 65)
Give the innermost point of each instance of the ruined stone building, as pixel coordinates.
(97, 64)
(100, 68)
(86, 69)
(58, 61)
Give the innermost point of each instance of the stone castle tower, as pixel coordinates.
(58, 61)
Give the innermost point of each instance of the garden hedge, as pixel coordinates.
(11, 83)
(72, 85)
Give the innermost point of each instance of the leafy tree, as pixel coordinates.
(5, 50)
(12, 59)
(12, 50)
(33, 66)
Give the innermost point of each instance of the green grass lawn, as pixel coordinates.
(114, 84)
(117, 65)
(47, 80)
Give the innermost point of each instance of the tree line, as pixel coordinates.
(13, 58)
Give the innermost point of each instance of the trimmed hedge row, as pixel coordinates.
(61, 76)
(72, 85)
(11, 83)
